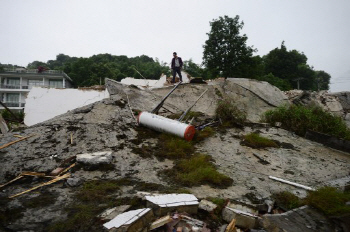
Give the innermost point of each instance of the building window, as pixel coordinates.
(56, 83)
(13, 83)
(34, 82)
(12, 97)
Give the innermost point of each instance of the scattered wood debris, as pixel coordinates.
(16, 141)
(43, 184)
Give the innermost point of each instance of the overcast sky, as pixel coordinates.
(41, 29)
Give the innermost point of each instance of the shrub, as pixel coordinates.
(229, 114)
(199, 170)
(299, 119)
(254, 140)
(287, 200)
(329, 200)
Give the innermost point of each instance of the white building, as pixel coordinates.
(16, 83)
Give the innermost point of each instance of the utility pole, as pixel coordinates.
(298, 81)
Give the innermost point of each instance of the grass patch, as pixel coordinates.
(98, 191)
(287, 201)
(203, 134)
(329, 200)
(43, 200)
(91, 199)
(299, 119)
(255, 140)
(81, 217)
(198, 170)
(229, 114)
(172, 147)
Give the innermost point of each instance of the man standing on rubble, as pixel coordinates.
(176, 66)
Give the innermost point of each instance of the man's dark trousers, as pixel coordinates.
(178, 71)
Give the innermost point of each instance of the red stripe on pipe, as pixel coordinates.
(189, 133)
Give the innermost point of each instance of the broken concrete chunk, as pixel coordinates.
(57, 171)
(103, 157)
(207, 205)
(163, 204)
(133, 221)
(74, 182)
(111, 213)
(244, 216)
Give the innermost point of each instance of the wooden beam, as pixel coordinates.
(41, 185)
(16, 141)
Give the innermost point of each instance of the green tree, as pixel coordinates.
(322, 80)
(193, 69)
(276, 81)
(36, 64)
(226, 51)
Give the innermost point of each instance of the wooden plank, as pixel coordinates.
(232, 226)
(17, 178)
(43, 184)
(16, 141)
(66, 170)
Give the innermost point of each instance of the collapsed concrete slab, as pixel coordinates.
(131, 221)
(45, 103)
(301, 219)
(162, 204)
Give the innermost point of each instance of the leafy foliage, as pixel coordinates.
(292, 68)
(283, 85)
(299, 119)
(92, 71)
(225, 51)
(287, 200)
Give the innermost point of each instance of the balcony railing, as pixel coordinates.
(17, 70)
(13, 104)
(5, 86)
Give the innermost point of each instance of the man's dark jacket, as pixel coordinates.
(173, 63)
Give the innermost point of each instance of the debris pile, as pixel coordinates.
(93, 166)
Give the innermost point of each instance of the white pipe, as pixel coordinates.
(167, 125)
(292, 183)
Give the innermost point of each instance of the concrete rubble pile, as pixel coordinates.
(102, 142)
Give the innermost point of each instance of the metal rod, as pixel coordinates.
(184, 114)
(157, 108)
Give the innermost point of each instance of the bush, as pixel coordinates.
(299, 119)
(329, 200)
(287, 200)
(229, 114)
(254, 140)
